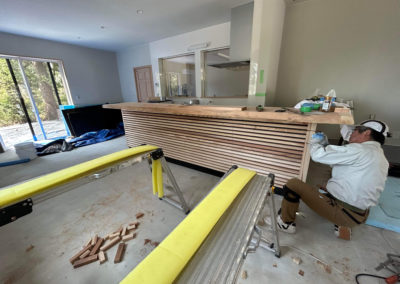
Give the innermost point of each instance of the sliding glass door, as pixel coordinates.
(31, 91)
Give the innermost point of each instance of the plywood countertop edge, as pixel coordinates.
(236, 113)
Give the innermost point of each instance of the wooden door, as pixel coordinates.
(144, 83)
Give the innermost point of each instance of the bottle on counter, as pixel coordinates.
(333, 104)
(326, 104)
(321, 102)
(329, 101)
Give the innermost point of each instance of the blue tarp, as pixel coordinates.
(97, 136)
(387, 214)
(45, 147)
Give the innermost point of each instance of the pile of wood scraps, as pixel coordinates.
(95, 249)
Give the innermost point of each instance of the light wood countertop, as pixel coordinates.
(344, 116)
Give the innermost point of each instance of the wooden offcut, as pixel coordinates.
(85, 261)
(120, 253)
(97, 246)
(102, 257)
(85, 254)
(94, 240)
(113, 235)
(110, 244)
(123, 233)
(128, 237)
(76, 256)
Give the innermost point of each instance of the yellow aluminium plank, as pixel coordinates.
(168, 259)
(19, 192)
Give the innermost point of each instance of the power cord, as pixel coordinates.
(390, 280)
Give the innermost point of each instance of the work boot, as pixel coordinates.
(289, 228)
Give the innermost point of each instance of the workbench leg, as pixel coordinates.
(175, 186)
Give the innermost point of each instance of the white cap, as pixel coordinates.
(377, 125)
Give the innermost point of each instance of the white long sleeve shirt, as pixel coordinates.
(359, 171)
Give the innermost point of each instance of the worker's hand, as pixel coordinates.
(319, 138)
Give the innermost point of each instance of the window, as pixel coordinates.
(178, 76)
(31, 91)
(222, 81)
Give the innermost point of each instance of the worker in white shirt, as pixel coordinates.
(359, 171)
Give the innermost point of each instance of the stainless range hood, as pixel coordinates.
(231, 64)
(240, 37)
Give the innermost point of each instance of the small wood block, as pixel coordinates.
(131, 227)
(113, 235)
(85, 254)
(119, 230)
(88, 243)
(76, 256)
(85, 261)
(96, 248)
(128, 237)
(123, 233)
(120, 253)
(111, 243)
(146, 241)
(139, 215)
(108, 237)
(94, 240)
(344, 233)
(102, 257)
(136, 223)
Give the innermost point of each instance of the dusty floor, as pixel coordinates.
(18, 133)
(36, 248)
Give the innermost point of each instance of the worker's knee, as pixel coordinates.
(290, 193)
(293, 183)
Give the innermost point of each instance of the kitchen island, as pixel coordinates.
(217, 137)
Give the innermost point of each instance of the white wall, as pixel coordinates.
(225, 82)
(352, 46)
(91, 73)
(127, 60)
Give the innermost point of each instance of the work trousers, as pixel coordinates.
(324, 205)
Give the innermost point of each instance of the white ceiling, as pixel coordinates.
(81, 21)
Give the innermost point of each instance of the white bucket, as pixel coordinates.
(25, 150)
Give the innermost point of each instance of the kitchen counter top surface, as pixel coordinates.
(340, 116)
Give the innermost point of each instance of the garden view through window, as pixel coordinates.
(31, 92)
(178, 76)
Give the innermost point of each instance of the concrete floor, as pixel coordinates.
(60, 226)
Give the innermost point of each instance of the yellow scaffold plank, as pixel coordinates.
(19, 192)
(168, 259)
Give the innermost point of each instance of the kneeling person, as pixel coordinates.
(359, 171)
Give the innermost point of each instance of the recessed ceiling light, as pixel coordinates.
(102, 27)
(139, 11)
(78, 37)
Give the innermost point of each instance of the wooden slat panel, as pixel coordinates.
(218, 144)
(223, 130)
(274, 126)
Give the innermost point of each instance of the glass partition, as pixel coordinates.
(178, 76)
(224, 81)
